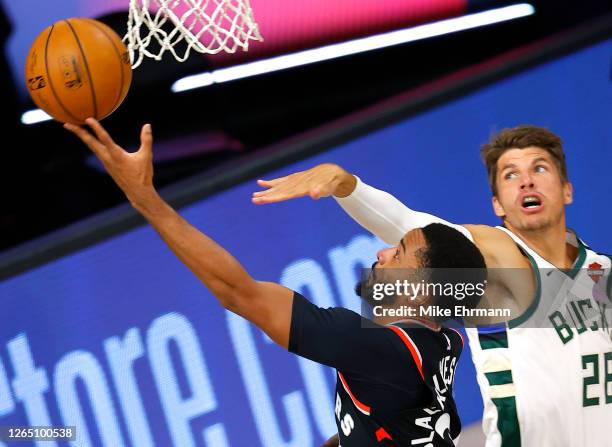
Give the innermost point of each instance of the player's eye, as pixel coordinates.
(396, 255)
(540, 168)
(509, 175)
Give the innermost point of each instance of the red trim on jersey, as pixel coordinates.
(458, 333)
(360, 406)
(381, 434)
(414, 351)
(425, 323)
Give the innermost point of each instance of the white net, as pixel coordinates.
(179, 26)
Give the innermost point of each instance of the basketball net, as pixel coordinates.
(178, 26)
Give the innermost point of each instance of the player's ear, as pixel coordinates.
(420, 300)
(568, 193)
(498, 208)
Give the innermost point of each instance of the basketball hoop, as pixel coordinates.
(178, 26)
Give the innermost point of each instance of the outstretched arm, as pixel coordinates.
(267, 305)
(385, 216)
(375, 210)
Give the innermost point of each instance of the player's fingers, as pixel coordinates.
(146, 140)
(270, 191)
(276, 191)
(264, 200)
(278, 196)
(272, 182)
(260, 193)
(100, 132)
(89, 140)
(258, 200)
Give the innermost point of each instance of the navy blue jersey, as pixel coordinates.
(394, 383)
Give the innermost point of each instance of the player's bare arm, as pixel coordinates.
(359, 200)
(390, 219)
(267, 305)
(511, 282)
(321, 181)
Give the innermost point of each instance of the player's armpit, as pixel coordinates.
(511, 279)
(498, 249)
(268, 306)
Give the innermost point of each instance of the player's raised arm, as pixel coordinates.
(323, 180)
(267, 305)
(375, 210)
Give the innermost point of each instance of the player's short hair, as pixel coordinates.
(521, 137)
(452, 259)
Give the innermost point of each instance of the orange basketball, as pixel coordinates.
(78, 68)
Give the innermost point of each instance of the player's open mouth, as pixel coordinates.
(531, 203)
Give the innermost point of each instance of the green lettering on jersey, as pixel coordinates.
(584, 305)
(580, 327)
(560, 324)
(590, 380)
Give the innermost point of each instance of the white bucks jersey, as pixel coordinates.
(546, 377)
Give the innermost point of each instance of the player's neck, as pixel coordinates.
(550, 243)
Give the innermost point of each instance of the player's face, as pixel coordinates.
(530, 193)
(405, 254)
(395, 263)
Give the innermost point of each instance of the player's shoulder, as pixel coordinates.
(304, 308)
(485, 233)
(591, 252)
(497, 247)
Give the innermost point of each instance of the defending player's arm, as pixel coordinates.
(375, 210)
(267, 305)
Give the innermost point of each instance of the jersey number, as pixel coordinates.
(590, 363)
(346, 422)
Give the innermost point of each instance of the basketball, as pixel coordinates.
(78, 68)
